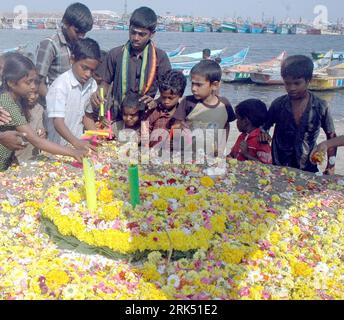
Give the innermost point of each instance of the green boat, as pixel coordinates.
(228, 27)
(187, 27)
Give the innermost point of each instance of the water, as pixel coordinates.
(262, 47)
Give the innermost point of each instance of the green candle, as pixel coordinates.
(133, 174)
(102, 107)
(90, 185)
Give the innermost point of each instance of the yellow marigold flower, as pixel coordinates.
(160, 204)
(275, 237)
(56, 278)
(109, 212)
(207, 182)
(74, 197)
(191, 206)
(150, 272)
(301, 269)
(105, 195)
(232, 254)
(258, 254)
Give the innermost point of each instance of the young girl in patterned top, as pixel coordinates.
(19, 80)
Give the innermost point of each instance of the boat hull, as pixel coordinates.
(326, 83)
(267, 78)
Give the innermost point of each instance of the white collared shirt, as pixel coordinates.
(68, 99)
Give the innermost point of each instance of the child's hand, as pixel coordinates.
(96, 100)
(5, 117)
(244, 147)
(264, 137)
(42, 133)
(85, 145)
(149, 102)
(79, 154)
(318, 153)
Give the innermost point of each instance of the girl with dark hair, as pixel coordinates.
(19, 81)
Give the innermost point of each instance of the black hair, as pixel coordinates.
(16, 67)
(297, 67)
(144, 17)
(131, 100)
(173, 80)
(206, 52)
(86, 49)
(79, 16)
(254, 110)
(209, 69)
(218, 60)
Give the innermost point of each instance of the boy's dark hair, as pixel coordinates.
(173, 80)
(297, 67)
(79, 16)
(254, 110)
(206, 53)
(144, 17)
(86, 49)
(209, 69)
(131, 100)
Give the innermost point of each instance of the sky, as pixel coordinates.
(279, 9)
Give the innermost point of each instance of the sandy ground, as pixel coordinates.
(339, 125)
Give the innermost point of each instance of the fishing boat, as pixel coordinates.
(187, 27)
(337, 55)
(161, 27)
(228, 27)
(314, 31)
(203, 28)
(331, 78)
(243, 28)
(176, 52)
(195, 56)
(272, 76)
(241, 73)
(322, 83)
(282, 29)
(257, 28)
(15, 49)
(298, 29)
(269, 76)
(226, 62)
(271, 28)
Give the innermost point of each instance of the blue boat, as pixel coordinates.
(226, 62)
(176, 52)
(243, 28)
(202, 28)
(161, 28)
(257, 28)
(271, 28)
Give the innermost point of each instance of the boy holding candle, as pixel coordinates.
(68, 100)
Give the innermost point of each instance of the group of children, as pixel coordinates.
(73, 100)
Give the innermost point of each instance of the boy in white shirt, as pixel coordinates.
(68, 100)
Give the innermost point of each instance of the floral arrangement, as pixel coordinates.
(273, 233)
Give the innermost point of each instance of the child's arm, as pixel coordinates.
(12, 140)
(48, 146)
(88, 121)
(66, 134)
(244, 151)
